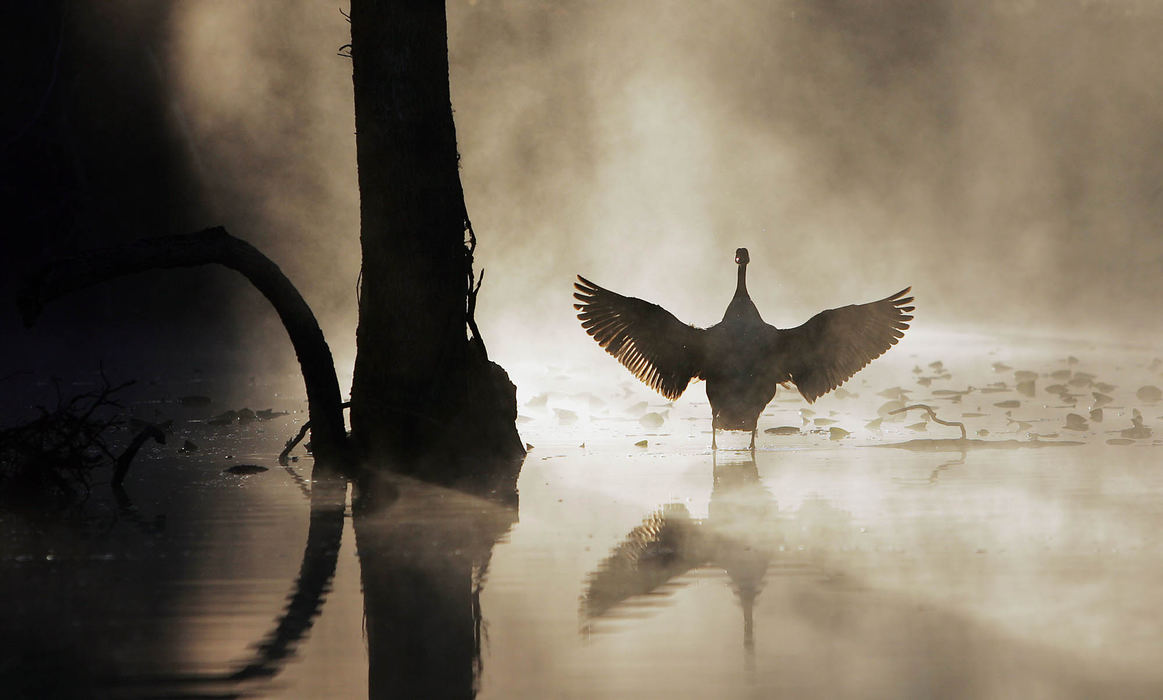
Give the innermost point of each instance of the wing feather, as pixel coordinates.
(835, 344)
(648, 340)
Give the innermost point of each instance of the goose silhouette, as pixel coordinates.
(742, 358)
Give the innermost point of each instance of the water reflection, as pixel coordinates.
(743, 534)
(424, 556)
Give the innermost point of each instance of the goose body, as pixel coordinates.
(742, 358)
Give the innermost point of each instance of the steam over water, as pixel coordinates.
(997, 156)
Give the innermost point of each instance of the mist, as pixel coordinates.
(998, 157)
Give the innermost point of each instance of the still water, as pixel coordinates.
(858, 553)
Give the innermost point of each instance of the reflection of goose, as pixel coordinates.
(739, 535)
(742, 358)
(739, 506)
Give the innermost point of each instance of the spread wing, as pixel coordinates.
(835, 344)
(659, 349)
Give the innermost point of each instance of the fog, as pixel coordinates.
(1001, 158)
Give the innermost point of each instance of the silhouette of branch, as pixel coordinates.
(285, 454)
(208, 247)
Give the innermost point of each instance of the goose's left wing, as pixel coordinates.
(659, 349)
(835, 344)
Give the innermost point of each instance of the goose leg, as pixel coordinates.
(755, 430)
(713, 438)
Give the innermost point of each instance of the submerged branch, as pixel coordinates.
(933, 416)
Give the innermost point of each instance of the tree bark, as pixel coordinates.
(214, 246)
(422, 391)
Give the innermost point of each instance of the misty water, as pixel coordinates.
(858, 552)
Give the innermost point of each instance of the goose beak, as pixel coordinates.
(741, 257)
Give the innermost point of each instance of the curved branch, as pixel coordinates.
(933, 416)
(209, 247)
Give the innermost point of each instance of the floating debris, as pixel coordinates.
(937, 366)
(1001, 367)
(1100, 400)
(652, 420)
(269, 414)
(638, 407)
(842, 393)
(1025, 375)
(528, 446)
(894, 392)
(1075, 422)
(565, 416)
(1081, 380)
(783, 430)
(837, 433)
(1149, 393)
(1096, 415)
(1026, 388)
(821, 422)
(1137, 431)
(973, 415)
(227, 418)
(890, 408)
(1120, 441)
(922, 426)
(245, 469)
(1010, 403)
(982, 433)
(188, 447)
(925, 381)
(538, 401)
(1104, 387)
(873, 424)
(641, 443)
(523, 419)
(1061, 375)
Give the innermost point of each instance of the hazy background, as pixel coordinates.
(1003, 158)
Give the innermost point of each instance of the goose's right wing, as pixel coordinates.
(835, 344)
(659, 349)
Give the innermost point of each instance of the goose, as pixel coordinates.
(742, 359)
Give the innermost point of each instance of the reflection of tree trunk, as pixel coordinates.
(213, 246)
(423, 553)
(417, 376)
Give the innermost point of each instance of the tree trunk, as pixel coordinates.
(423, 393)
